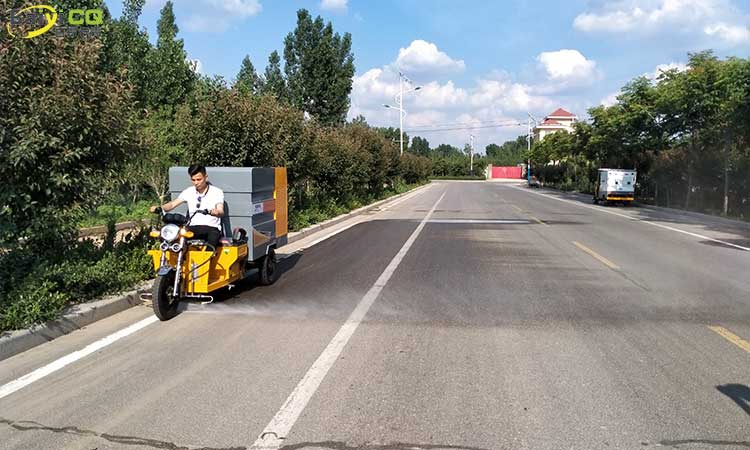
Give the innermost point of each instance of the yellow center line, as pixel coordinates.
(731, 337)
(599, 257)
(539, 221)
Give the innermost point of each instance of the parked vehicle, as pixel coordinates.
(615, 185)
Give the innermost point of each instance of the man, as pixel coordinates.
(203, 195)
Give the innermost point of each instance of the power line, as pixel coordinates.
(434, 125)
(465, 128)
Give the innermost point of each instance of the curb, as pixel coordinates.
(80, 315)
(74, 318)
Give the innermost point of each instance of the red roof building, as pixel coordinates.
(558, 120)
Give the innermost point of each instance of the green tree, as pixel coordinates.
(77, 129)
(126, 49)
(420, 146)
(445, 150)
(319, 67)
(248, 80)
(171, 78)
(274, 82)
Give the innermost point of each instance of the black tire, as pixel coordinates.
(596, 201)
(267, 270)
(165, 307)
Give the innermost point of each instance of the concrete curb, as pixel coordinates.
(78, 316)
(74, 317)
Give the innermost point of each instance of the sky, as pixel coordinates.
(481, 66)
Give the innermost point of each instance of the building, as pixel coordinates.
(559, 120)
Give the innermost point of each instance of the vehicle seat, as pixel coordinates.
(239, 236)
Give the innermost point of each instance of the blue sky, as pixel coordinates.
(479, 63)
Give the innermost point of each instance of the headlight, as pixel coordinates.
(170, 232)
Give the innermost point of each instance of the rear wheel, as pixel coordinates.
(165, 305)
(267, 270)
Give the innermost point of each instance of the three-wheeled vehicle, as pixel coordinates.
(255, 209)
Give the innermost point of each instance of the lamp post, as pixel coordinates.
(471, 155)
(528, 148)
(400, 100)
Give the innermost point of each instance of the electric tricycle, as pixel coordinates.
(190, 269)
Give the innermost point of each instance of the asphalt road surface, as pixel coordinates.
(468, 316)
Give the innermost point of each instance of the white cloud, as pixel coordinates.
(489, 100)
(733, 34)
(681, 67)
(610, 100)
(567, 66)
(333, 5)
(241, 8)
(206, 24)
(422, 57)
(716, 18)
(215, 16)
(196, 65)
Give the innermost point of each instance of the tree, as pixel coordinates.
(248, 80)
(393, 135)
(319, 67)
(125, 49)
(445, 150)
(78, 130)
(171, 78)
(274, 83)
(420, 146)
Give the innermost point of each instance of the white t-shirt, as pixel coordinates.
(208, 200)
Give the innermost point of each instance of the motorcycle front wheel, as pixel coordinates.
(165, 305)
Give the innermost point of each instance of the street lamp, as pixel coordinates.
(528, 148)
(400, 100)
(471, 155)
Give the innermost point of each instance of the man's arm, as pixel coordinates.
(170, 205)
(218, 210)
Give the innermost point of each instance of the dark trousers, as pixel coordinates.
(207, 233)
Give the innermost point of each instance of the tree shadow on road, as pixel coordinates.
(739, 393)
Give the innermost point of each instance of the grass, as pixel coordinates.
(116, 213)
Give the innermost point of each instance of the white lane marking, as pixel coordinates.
(489, 221)
(54, 366)
(340, 230)
(636, 219)
(406, 197)
(278, 428)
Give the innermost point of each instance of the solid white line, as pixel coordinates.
(278, 428)
(404, 198)
(488, 221)
(334, 233)
(54, 366)
(666, 227)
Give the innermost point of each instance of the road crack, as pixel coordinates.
(27, 425)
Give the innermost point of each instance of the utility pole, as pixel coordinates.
(401, 110)
(471, 156)
(528, 148)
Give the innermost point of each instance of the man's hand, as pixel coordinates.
(216, 212)
(153, 209)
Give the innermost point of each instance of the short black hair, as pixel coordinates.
(196, 169)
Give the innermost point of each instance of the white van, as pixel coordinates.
(615, 185)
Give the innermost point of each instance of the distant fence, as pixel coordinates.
(506, 172)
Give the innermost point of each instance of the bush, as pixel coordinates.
(36, 290)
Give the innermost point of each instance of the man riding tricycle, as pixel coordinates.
(197, 254)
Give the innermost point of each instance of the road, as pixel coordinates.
(468, 316)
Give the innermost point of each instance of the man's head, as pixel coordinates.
(198, 176)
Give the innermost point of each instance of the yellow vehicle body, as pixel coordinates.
(201, 273)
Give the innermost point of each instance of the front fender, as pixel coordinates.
(164, 270)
